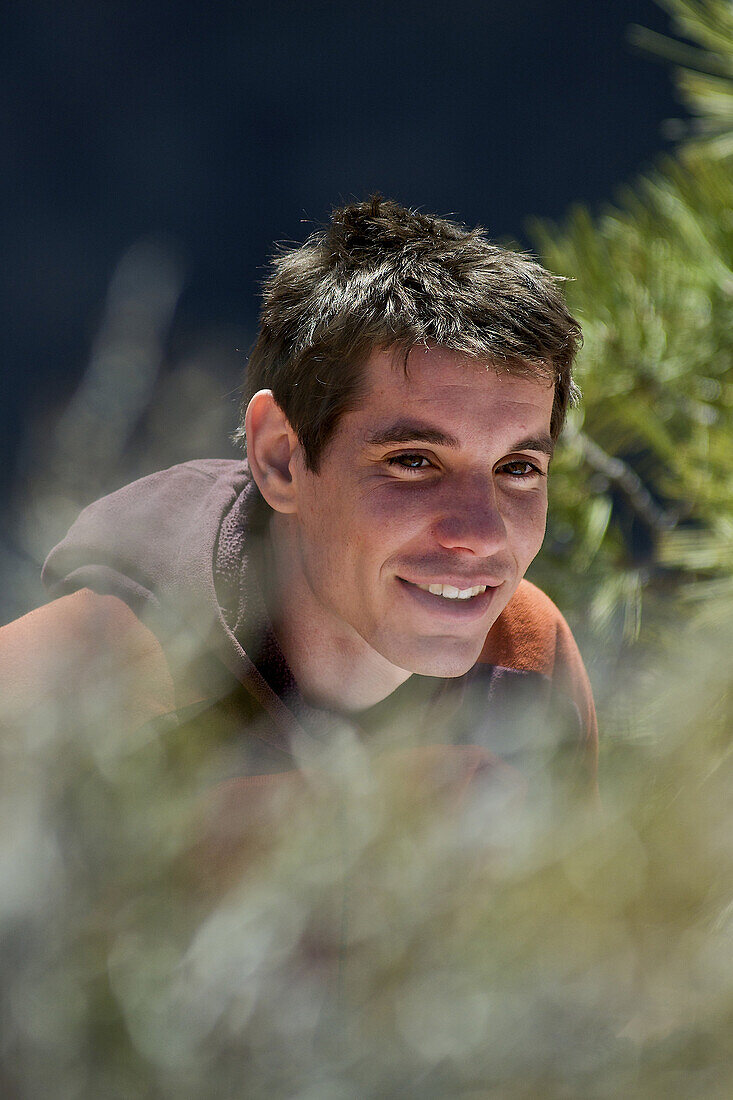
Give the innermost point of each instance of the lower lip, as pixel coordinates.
(475, 607)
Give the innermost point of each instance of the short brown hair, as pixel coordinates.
(383, 276)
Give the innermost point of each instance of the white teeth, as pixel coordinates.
(450, 593)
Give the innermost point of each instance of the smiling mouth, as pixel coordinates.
(449, 592)
(448, 603)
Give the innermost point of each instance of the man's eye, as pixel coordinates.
(410, 462)
(520, 468)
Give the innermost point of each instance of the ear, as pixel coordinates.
(271, 443)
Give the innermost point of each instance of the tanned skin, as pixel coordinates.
(438, 476)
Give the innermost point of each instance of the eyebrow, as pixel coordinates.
(411, 431)
(541, 443)
(414, 431)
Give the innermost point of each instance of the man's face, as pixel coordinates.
(437, 478)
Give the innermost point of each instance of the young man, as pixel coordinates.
(404, 396)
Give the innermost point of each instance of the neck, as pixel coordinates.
(333, 666)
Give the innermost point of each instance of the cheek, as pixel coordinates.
(382, 517)
(338, 539)
(527, 521)
(398, 511)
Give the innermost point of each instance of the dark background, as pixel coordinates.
(224, 128)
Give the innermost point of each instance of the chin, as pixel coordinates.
(448, 660)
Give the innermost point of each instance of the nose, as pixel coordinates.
(470, 519)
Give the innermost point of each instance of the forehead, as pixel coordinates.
(450, 387)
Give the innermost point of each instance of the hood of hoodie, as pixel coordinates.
(178, 547)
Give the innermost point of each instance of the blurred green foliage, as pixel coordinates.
(645, 477)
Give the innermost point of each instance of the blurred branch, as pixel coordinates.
(680, 53)
(127, 353)
(627, 481)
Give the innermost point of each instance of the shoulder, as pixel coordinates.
(527, 633)
(139, 541)
(531, 635)
(78, 646)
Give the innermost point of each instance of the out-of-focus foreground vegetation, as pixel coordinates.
(364, 943)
